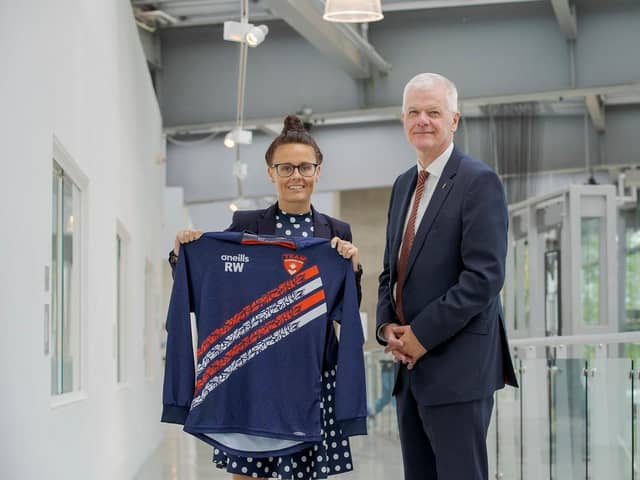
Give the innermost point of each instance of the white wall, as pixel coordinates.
(74, 69)
(176, 217)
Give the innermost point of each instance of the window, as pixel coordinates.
(65, 283)
(121, 325)
(522, 301)
(631, 262)
(590, 273)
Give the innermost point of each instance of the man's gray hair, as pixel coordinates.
(425, 81)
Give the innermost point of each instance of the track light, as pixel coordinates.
(245, 33)
(228, 141)
(237, 135)
(257, 35)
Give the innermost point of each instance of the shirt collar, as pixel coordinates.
(436, 167)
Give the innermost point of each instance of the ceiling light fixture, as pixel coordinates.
(256, 35)
(238, 136)
(247, 35)
(245, 32)
(353, 11)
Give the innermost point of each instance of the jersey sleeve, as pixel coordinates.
(179, 375)
(351, 397)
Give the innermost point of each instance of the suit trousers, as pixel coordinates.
(442, 442)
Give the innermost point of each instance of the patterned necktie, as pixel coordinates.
(407, 243)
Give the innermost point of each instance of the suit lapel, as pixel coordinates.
(440, 194)
(267, 222)
(321, 228)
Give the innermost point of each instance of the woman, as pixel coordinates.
(293, 164)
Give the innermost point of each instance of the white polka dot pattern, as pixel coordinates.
(296, 226)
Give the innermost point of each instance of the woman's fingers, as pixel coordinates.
(186, 236)
(344, 248)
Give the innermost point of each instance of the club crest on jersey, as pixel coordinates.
(293, 263)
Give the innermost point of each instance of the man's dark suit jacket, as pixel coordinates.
(451, 294)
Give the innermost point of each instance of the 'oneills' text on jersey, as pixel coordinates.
(263, 307)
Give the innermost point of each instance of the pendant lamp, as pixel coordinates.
(352, 11)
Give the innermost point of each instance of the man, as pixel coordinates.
(439, 310)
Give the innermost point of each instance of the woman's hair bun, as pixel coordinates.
(293, 123)
(293, 132)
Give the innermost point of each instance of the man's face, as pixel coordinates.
(428, 123)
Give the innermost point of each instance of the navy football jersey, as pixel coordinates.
(263, 307)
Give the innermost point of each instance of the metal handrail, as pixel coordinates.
(592, 339)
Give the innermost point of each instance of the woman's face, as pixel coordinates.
(294, 191)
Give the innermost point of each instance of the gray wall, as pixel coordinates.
(199, 79)
(365, 156)
(490, 50)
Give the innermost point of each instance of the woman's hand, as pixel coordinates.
(347, 250)
(185, 236)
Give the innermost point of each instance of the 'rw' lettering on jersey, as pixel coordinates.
(234, 263)
(233, 266)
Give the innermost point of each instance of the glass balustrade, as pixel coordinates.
(575, 415)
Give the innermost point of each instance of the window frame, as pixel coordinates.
(122, 324)
(71, 170)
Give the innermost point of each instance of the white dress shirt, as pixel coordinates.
(434, 169)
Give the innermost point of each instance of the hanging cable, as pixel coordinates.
(240, 168)
(242, 67)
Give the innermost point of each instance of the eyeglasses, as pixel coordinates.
(287, 169)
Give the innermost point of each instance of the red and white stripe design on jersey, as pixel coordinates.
(285, 309)
(254, 306)
(252, 322)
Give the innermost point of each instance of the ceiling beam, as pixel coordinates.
(185, 3)
(213, 12)
(203, 12)
(390, 6)
(271, 129)
(470, 107)
(339, 42)
(566, 16)
(201, 20)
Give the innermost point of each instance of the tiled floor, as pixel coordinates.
(183, 457)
